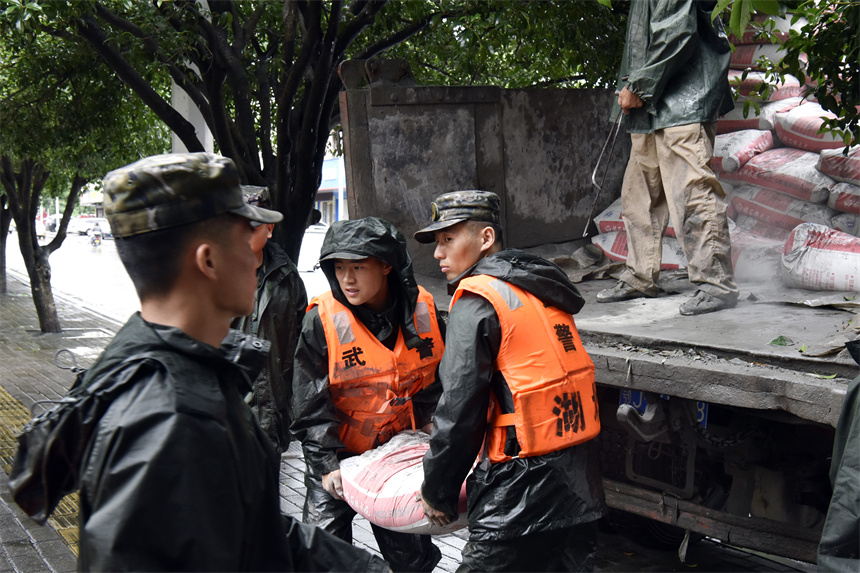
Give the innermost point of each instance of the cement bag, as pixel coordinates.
(845, 168)
(816, 257)
(610, 220)
(380, 485)
(763, 120)
(755, 259)
(733, 150)
(748, 87)
(779, 209)
(847, 223)
(761, 229)
(615, 246)
(747, 56)
(799, 128)
(845, 197)
(789, 171)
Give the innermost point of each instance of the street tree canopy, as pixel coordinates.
(264, 74)
(826, 50)
(66, 121)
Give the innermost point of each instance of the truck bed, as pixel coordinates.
(723, 357)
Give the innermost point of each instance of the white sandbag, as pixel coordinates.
(733, 150)
(614, 245)
(790, 87)
(763, 119)
(610, 220)
(845, 197)
(845, 168)
(779, 209)
(787, 170)
(816, 257)
(380, 485)
(799, 128)
(761, 229)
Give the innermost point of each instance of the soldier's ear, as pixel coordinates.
(488, 238)
(203, 260)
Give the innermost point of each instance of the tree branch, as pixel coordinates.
(186, 81)
(93, 34)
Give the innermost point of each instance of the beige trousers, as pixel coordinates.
(669, 175)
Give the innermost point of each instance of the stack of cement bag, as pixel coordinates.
(779, 173)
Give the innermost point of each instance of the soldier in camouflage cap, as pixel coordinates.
(507, 336)
(169, 441)
(175, 189)
(458, 206)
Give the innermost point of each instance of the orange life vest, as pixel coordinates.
(550, 375)
(372, 386)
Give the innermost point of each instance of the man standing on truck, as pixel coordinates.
(517, 379)
(674, 87)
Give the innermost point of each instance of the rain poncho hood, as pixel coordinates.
(531, 273)
(377, 238)
(676, 59)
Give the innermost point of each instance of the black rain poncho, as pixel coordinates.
(279, 307)
(675, 59)
(525, 495)
(174, 472)
(315, 418)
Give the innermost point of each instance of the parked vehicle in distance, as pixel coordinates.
(103, 225)
(52, 222)
(77, 226)
(309, 255)
(83, 226)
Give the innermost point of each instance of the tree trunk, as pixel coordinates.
(5, 219)
(22, 189)
(39, 272)
(43, 296)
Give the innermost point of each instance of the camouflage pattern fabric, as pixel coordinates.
(451, 208)
(175, 189)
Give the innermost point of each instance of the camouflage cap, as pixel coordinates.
(165, 191)
(257, 196)
(458, 206)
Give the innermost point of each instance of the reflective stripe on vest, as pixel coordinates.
(550, 376)
(372, 386)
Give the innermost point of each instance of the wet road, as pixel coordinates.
(95, 277)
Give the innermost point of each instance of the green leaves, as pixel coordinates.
(824, 54)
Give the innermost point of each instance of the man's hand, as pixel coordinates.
(629, 100)
(427, 428)
(433, 515)
(332, 484)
